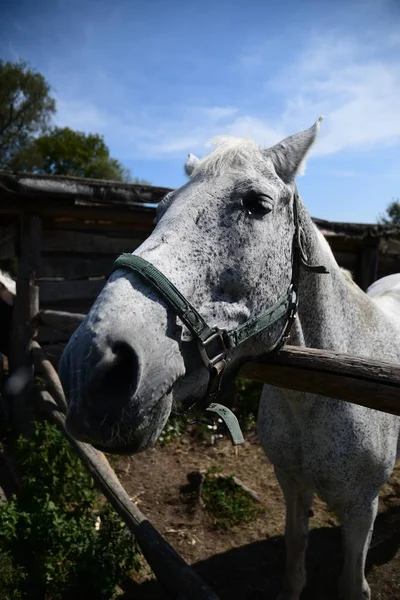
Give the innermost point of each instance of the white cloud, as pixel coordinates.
(354, 85)
(80, 115)
(257, 129)
(217, 113)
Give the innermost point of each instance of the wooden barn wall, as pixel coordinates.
(77, 256)
(74, 266)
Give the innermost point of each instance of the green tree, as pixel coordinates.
(26, 108)
(63, 151)
(392, 216)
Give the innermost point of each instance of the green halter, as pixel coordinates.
(215, 343)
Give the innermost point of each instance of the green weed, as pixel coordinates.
(227, 503)
(57, 540)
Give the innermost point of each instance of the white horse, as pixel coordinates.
(238, 243)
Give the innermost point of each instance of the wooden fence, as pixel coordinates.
(73, 229)
(369, 383)
(72, 271)
(65, 244)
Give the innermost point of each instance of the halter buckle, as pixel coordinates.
(218, 361)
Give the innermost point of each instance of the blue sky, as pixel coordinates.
(158, 78)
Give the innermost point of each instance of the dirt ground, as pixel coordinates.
(247, 562)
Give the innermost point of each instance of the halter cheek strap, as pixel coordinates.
(214, 343)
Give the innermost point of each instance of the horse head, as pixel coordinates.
(225, 242)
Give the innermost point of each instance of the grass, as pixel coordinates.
(226, 503)
(58, 539)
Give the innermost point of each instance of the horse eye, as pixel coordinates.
(256, 204)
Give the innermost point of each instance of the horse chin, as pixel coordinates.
(127, 438)
(135, 439)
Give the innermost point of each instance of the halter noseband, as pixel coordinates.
(215, 343)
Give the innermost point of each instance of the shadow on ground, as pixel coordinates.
(254, 572)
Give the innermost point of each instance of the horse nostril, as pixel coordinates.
(114, 384)
(122, 376)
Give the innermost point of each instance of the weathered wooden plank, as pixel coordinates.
(341, 243)
(390, 245)
(370, 383)
(367, 268)
(178, 579)
(75, 266)
(57, 291)
(388, 265)
(44, 367)
(26, 306)
(92, 225)
(82, 242)
(140, 217)
(53, 352)
(7, 242)
(70, 306)
(49, 335)
(347, 260)
(60, 320)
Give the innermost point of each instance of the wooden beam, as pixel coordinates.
(368, 262)
(91, 243)
(370, 383)
(7, 242)
(26, 306)
(139, 217)
(61, 320)
(76, 266)
(172, 572)
(103, 226)
(53, 352)
(44, 367)
(64, 290)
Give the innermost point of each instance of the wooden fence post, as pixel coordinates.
(26, 307)
(368, 263)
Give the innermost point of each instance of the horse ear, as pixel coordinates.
(289, 155)
(191, 164)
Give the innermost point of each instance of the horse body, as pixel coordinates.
(225, 240)
(341, 451)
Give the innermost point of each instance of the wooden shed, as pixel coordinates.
(66, 233)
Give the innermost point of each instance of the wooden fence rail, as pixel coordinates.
(371, 383)
(60, 320)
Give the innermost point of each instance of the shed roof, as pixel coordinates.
(87, 194)
(77, 188)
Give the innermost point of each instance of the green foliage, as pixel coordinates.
(174, 427)
(227, 503)
(12, 579)
(245, 405)
(392, 216)
(63, 151)
(247, 400)
(25, 108)
(60, 541)
(26, 142)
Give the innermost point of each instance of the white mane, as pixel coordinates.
(228, 151)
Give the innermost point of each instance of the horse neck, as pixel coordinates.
(333, 312)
